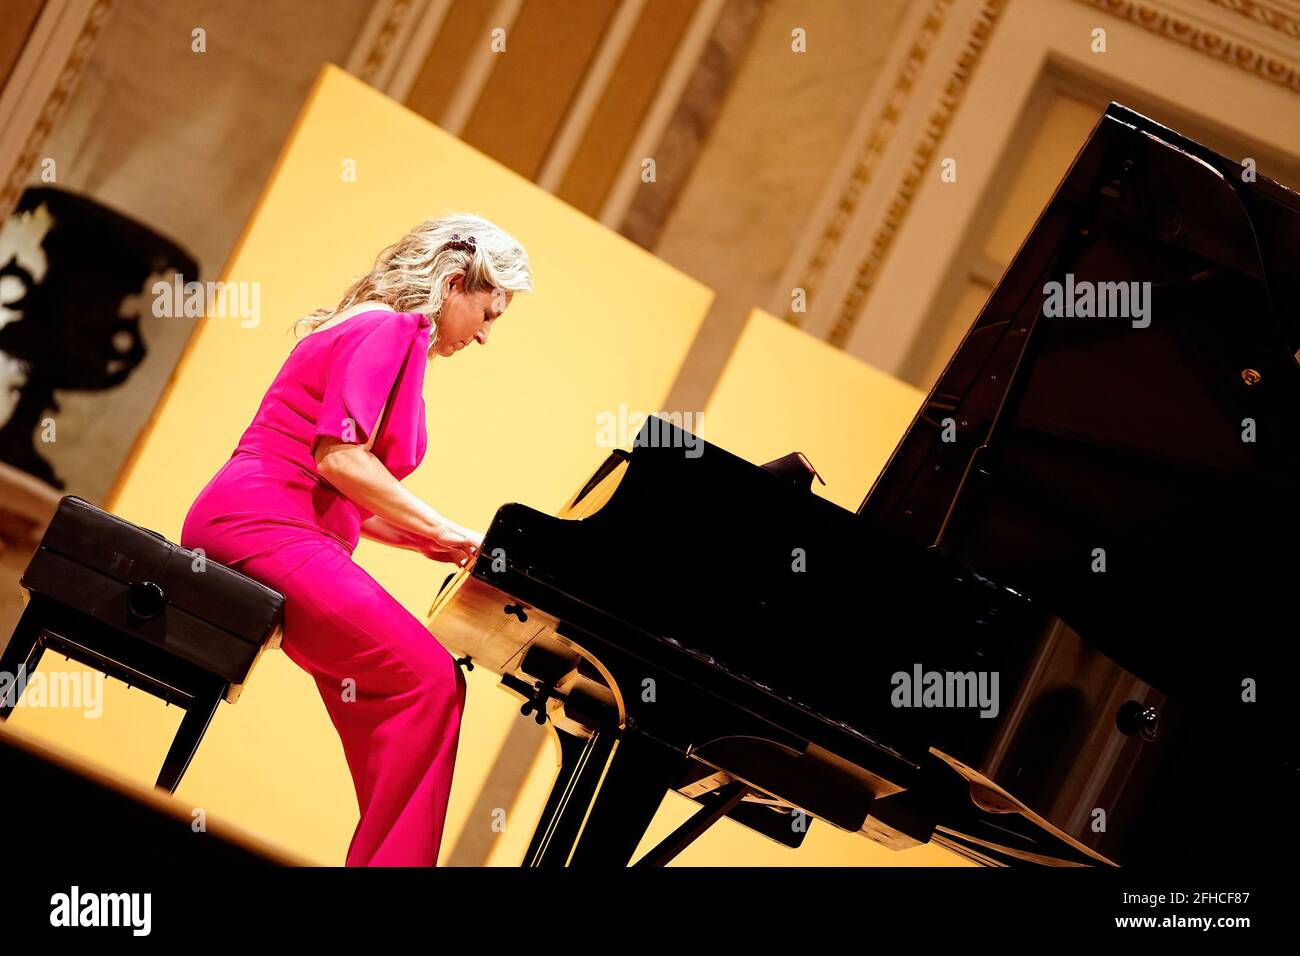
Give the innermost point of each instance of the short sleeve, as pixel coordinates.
(368, 368)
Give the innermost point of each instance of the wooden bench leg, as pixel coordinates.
(21, 657)
(193, 725)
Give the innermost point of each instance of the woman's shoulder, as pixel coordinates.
(372, 319)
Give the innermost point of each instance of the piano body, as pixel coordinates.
(1056, 631)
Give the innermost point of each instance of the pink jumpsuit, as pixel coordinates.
(393, 693)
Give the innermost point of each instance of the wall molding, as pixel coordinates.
(1270, 15)
(923, 152)
(576, 119)
(933, 64)
(693, 87)
(42, 82)
(1037, 47)
(883, 127)
(384, 45)
(905, 123)
(1207, 39)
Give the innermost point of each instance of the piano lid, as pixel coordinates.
(1117, 434)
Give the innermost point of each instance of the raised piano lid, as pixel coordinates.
(1066, 435)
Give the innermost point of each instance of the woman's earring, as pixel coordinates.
(434, 319)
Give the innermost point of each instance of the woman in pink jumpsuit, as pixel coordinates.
(393, 693)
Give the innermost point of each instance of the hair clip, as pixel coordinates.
(467, 244)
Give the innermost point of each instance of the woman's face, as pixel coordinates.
(466, 316)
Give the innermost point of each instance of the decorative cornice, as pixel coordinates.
(380, 44)
(900, 203)
(1267, 66)
(52, 108)
(1275, 18)
(1143, 13)
(873, 150)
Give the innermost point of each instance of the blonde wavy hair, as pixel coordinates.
(408, 276)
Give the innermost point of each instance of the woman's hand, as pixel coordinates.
(453, 543)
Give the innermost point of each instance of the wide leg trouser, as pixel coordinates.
(394, 694)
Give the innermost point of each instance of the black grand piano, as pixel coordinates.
(1060, 629)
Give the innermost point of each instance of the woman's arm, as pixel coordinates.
(376, 528)
(455, 550)
(357, 474)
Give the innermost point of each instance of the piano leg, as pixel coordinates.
(640, 772)
(603, 800)
(728, 799)
(582, 759)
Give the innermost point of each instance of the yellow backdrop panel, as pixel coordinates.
(781, 391)
(515, 421)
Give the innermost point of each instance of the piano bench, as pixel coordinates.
(129, 603)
